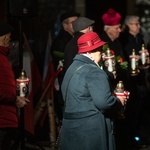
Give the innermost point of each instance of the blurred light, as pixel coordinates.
(137, 138)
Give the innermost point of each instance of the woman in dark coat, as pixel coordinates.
(87, 124)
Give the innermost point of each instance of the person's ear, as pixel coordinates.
(64, 26)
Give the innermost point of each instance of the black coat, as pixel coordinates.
(113, 45)
(59, 43)
(137, 88)
(117, 48)
(130, 42)
(71, 50)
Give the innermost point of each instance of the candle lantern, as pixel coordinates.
(109, 60)
(134, 63)
(22, 84)
(120, 91)
(144, 57)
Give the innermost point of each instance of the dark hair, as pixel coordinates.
(5, 28)
(98, 49)
(125, 28)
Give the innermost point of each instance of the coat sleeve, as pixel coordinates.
(100, 91)
(7, 83)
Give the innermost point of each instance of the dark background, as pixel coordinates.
(43, 16)
(95, 9)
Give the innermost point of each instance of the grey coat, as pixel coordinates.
(87, 123)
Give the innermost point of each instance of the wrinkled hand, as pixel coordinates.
(22, 101)
(123, 100)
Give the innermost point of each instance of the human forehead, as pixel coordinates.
(6, 35)
(71, 19)
(134, 20)
(115, 27)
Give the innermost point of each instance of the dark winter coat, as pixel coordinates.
(71, 50)
(8, 113)
(116, 46)
(87, 123)
(59, 44)
(113, 45)
(130, 42)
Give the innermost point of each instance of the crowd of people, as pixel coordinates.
(87, 102)
(87, 86)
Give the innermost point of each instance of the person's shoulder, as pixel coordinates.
(94, 72)
(124, 35)
(140, 35)
(104, 36)
(95, 68)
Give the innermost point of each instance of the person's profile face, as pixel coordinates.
(134, 26)
(114, 31)
(96, 55)
(5, 40)
(69, 26)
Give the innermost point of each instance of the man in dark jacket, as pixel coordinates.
(132, 38)
(81, 25)
(111, 20)
(57, 50)
(63, 37)
(112, 23)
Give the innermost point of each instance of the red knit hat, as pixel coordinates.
(111, 17)
(89, 42)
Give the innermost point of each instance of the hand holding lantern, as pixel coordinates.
(120, 92)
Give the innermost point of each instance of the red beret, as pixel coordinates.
(111, 17)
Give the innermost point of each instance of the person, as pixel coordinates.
(89, 103)
(64, 36)
(112, 28)
(57, 51)
(111, 32)
(81, 25)
(9, 101)
(132, 38)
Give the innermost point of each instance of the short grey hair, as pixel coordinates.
(106, 27)
(129, 19)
